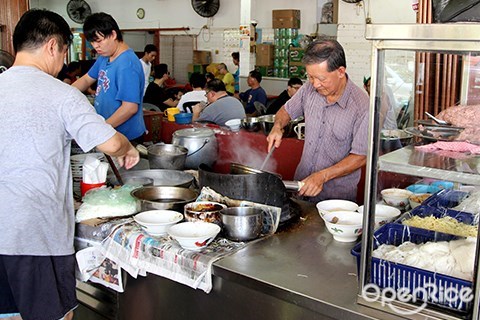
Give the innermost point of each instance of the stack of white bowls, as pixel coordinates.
(76, 162)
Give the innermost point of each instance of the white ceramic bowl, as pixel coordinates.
(383, 214)
(194, 235)
(234, 124)
(157, 222)
(416, 199)
(332, 205)
(396, 197)
(347, 227)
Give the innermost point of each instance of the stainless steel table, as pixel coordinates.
(298, 273)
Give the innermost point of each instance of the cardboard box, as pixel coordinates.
(202, 57)
(327, 11)
(265, 71)
(296, 54)
(286, 19)
(264, 54)
(297, 71)
(191, 68)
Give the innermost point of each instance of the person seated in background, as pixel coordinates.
(220, 108)
(149, 54)
(197, 81)
(209, 76)
(227, 79)
(254, 94)
(236, 74)
(292, 86)
(156, 93)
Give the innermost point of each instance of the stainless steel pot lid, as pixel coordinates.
(194, 133)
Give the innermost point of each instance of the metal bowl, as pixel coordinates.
(161, 177)
(251, 124)
(242, 223)
(164, 198)
(266, 123)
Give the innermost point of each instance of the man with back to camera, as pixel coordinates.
(37, 260)
(197, 81)
(336, 125)
(149, 54)
(254, 94)
(221, 108)
(121, 81)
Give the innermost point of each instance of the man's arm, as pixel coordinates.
(118, 146)
(282, 118)
(313, 184)
(123, 113)
(84, 82)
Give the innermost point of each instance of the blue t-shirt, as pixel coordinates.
(117, 81)
(236, 76)
(252, 95)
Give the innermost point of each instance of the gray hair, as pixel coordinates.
(325, 50)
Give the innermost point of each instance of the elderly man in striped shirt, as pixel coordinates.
(336, 125)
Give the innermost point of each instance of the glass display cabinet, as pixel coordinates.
(416, 69)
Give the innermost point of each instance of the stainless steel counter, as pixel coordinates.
(298, 273)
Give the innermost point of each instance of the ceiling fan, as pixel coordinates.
(206, 8)
(6, 60)
(78, 10)
(351, 1)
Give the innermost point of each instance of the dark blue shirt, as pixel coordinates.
(252, 95)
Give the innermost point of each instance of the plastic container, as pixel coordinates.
(85, 187)
(446, 198)
(423, 188)
(183, 118)
(386, 274)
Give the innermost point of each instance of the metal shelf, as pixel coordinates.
(410, 161)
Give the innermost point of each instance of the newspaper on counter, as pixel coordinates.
(130, 248)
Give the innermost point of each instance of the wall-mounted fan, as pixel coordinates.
(6, 60)
(78, 10)
(206, 8)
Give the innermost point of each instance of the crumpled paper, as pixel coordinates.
(94, 171)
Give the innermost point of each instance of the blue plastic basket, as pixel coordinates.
(386, 274)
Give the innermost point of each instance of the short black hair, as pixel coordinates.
(150, 47)
(37, 26)
(293, 81)
(325, 50)
(216, 85)
(236, 55)
(74, 65)
(159, 70)
(100, 24)
(256, 75)
(197, 80)
(209, 75)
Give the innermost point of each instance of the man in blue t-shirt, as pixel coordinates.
(254, 94)
(119, 75)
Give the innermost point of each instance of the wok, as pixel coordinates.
(245, 183)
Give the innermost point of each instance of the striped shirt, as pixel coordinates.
(332, 132)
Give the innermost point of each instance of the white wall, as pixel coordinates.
(179, 13)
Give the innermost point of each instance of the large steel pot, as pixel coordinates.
(164, 198)
(164, 156)
(201, 144)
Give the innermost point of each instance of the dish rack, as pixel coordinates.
(386, 274)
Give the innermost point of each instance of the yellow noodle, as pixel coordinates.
(445, 224)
